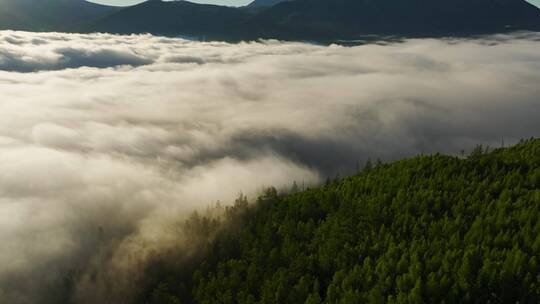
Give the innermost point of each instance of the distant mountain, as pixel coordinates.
(47, 15)
(314, 19)
(319, 20)
(173, 18)
(324, 20)
(264, 3)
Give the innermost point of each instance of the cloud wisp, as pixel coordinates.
(107, 138)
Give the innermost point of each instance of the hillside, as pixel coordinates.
(349, 19)
(173, 18)
(319, 20)
(422, 230)
(50, 15)
(323, 20)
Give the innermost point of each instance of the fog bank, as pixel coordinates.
(107, 139)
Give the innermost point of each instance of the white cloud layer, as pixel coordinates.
(120, 134)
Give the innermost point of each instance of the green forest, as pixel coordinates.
(428, 229)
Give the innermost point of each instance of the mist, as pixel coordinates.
(106, 141)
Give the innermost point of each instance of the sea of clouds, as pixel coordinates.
(107, 138)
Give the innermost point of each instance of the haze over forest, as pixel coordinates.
(110, 140)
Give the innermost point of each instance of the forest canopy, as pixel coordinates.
(429, 229)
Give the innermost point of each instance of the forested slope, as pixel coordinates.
(430, 229)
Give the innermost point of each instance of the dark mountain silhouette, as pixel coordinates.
(173, 18)
(264, 3)
(325, 20)
(351, 18)
(47, 15)
(320, 20)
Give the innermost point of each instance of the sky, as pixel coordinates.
(221, 2)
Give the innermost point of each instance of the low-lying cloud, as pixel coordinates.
(106, 137)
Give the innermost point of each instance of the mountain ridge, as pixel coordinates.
(315, 20)
(350, 18)
(174, 18)
(50, 15)
(264, 3)
(321, 20)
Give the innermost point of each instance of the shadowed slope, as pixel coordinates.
(262, 3)
(350, 18)
(173, 18)
(39, 15)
